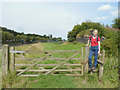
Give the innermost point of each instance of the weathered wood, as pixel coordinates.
(101, 65)
(62, 70)
(70, 74)
(30, 75)
(5, 59)
(31, 66)
(82, 61)
(12, 61)
(101, 62)
(61, 64)
(48, 64)
(44, 51)
(86, 60)
(46, 58)
(103, 53)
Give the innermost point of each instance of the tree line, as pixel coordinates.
(9, 35)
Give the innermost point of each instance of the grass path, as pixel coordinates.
(62, 81)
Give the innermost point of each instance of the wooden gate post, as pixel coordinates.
(101, 65)
(12, 61)
(86, 59)
(82, 61)
(5, 59)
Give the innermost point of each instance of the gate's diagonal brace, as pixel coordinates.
(60, 64)
(32, 65)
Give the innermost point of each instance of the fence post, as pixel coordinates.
(12, 63)
(82, 61)
(5, 59)
(101, 65)
(86, 59)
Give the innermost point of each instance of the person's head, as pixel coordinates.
(95, 32)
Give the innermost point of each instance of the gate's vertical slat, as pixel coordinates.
(82, 61)
(5, 59)
(12, 63)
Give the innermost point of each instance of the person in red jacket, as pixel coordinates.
(95, 48)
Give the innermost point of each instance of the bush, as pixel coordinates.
(111, 42)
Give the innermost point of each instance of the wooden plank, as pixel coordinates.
(46, 59)
(70, 74)
(30, 75)
(48, 64)
(52, 74)
(62, 70)
(103, 53)
(100, 70)
(12, 63)
(13, 51)
(73, 74)
(82, 61)
(5, 59)
(31, 66)
(101, 62)
(61, 64)
(44, 51)
(86, 58)
(62, 51)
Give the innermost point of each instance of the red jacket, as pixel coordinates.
(94, 41)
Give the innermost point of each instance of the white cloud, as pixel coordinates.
(100, 18)
(105, 7)
(114, 13)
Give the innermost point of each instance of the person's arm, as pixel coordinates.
(88, 41)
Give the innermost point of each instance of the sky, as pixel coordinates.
(56, 18)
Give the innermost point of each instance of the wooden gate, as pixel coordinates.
(76, 64)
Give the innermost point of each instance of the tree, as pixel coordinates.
(116, 23)
(84, 26)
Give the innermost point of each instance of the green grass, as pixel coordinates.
(109, 79)
(50, 81)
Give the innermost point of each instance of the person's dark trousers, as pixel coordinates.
(93, 49)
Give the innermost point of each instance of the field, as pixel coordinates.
(109, 79)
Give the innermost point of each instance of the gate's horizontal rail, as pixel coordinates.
(46, 58)
(30, 75)
(50, 69)
(45, 51)
(70, 74)
(52, 74)
(48, 64)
